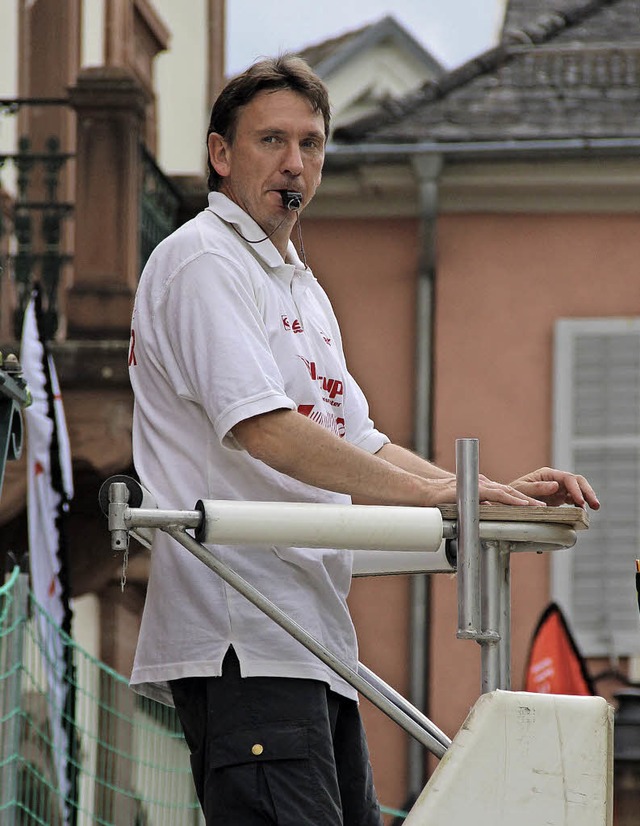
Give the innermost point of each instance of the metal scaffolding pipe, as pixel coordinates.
(431, 741)
(467, 472)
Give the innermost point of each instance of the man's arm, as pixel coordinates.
(550, 486)
(293, 444)
(405, 459)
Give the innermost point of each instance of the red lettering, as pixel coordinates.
(334, 387)
(311, 367)
(132, 351)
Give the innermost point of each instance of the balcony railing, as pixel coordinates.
(35, 244)
(32, 216)
(159, 206)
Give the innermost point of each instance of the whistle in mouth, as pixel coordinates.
(291, 200)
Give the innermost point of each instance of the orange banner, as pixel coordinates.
(554, 665)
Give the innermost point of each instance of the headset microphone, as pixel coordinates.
(291, 200)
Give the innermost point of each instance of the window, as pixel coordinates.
(597, 433)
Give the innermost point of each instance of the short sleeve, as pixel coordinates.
(215, 344)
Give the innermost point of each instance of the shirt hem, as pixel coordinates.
(153, 682)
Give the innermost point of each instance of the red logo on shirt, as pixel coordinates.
(133, 361)
(333, 423)
(333, 387)
(292, 326)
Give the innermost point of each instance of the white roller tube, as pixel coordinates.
(315, 525)
(382, 563)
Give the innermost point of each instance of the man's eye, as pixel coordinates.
(314, 144)
(270, 139)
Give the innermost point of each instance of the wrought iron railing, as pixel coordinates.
(31, 225)
(32, 237)
(159, 206)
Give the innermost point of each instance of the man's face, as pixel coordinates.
(278, 144)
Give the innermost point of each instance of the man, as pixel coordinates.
(242, 392)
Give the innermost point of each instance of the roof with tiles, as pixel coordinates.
(571, 71)
(522, 13)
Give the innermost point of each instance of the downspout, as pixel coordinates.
(427, 169)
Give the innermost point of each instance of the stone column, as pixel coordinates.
(110, 105)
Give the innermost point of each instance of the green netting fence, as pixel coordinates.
(128, 760)
(129, 763)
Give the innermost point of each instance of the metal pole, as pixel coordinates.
(467, 471)
(490, 639)
(12, 665)
(397, 698)
(504, 622)
(418, 673)
(430, 739)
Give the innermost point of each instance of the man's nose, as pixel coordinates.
(292, 161)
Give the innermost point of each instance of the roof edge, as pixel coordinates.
(541, 30)
(371, 35)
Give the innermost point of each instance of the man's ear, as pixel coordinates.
(219, 154)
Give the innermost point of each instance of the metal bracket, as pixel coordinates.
(13, 397)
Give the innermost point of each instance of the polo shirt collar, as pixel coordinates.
(232, 214)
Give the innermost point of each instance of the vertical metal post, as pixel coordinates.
(12, 659)
(490, 640)
(467, 471)
(504, 624)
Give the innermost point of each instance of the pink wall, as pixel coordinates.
(502, 280)
(368, 269)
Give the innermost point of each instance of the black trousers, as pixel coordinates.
(270, 750)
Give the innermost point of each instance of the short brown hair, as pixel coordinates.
(271, 74)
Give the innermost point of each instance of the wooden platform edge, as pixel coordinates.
(577, 518)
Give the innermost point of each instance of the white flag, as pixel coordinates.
(49, 490)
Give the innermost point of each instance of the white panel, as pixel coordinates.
(525, 759)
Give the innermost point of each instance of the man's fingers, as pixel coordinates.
(581, 491)
(505, 494)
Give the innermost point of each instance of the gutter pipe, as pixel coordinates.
(382, 151)
(427, 169)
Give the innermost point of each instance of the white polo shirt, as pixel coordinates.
(223, 330)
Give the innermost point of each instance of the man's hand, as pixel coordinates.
(443, 491)
(557, 487)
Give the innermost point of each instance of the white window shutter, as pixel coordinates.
(597, 434)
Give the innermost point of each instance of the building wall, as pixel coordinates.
(384, 71)
(502, 282)
(367, 267)
(181, 84)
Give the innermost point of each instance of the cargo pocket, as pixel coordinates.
(262, 775)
